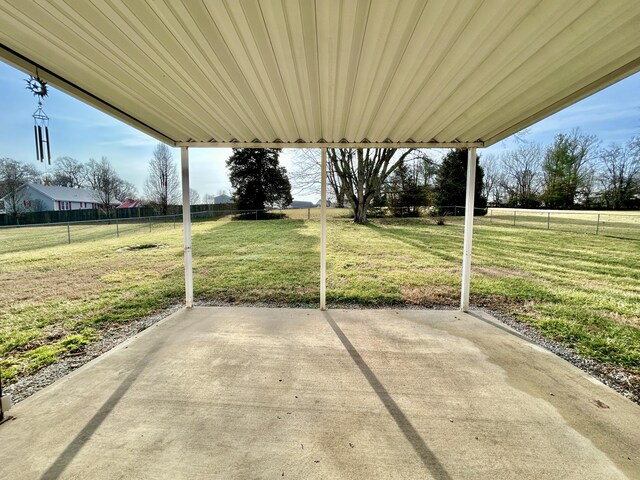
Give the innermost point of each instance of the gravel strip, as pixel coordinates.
(622, 380)
(110, 337)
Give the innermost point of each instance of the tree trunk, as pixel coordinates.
(360, 213)
(340, 197)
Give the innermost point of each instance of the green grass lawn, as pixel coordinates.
(583, 290)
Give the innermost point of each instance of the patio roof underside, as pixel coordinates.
(330, 72)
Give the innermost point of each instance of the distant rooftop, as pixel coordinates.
(67, 194)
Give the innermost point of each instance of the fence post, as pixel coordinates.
(174, 222)
(514, 218)
(149, 223)
(548, 220)
(455, 211)
(117, 229)
(308, 214)
(598, 224)
(256, 214)
(69, 233)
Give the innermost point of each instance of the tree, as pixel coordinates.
(306, 176)
(68, 172)
(491, 188)
(620, 174)
(110, 188)
(354, 176)
(406, 189)
(257, 178)
(194, 197)
(521, 176)
(363, 172)
(451, 181)
(13, 175)
(124, 190)
(162, 186)
(209, 198)
(566, 168)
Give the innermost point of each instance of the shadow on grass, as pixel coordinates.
(428, 240)
(259, 216)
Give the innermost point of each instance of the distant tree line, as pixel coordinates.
(161, 188)
(575, 171)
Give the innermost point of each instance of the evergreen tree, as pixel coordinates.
(257, 179)
(404, 191)
(451, 181)
(566, 169)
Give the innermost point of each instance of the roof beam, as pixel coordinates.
(478, 144)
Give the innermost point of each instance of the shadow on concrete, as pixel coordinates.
(427, 456)
(68, 454)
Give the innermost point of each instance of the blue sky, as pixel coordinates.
(82, 132)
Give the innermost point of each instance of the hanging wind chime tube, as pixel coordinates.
(41, 131)
(38, 87)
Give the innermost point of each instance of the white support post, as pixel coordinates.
(323, 231)
(186, 227)
(468, 229)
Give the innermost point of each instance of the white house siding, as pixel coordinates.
(45, 198)
(34, 197)
(66, 205)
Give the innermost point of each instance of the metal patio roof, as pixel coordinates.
(325, 72)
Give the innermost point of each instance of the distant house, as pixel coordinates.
(130, 203)
(37, 197)
(222, 200)
(318, 204)
(301, 204)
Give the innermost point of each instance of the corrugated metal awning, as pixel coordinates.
(325, 72)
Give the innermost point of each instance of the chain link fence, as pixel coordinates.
(611, 224)
(26, 237)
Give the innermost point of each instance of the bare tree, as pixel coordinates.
(521, 175)
(354, 176)
(13, 176)
(102, 177)
(305, 176)
(362, 173)
(68, 172)
(620, 173)
(194, 197)
(209, 198)
(125, 190)
(162, 186)
(492, 178)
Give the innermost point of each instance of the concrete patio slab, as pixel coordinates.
(294, 393)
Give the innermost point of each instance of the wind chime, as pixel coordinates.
(38, 87)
